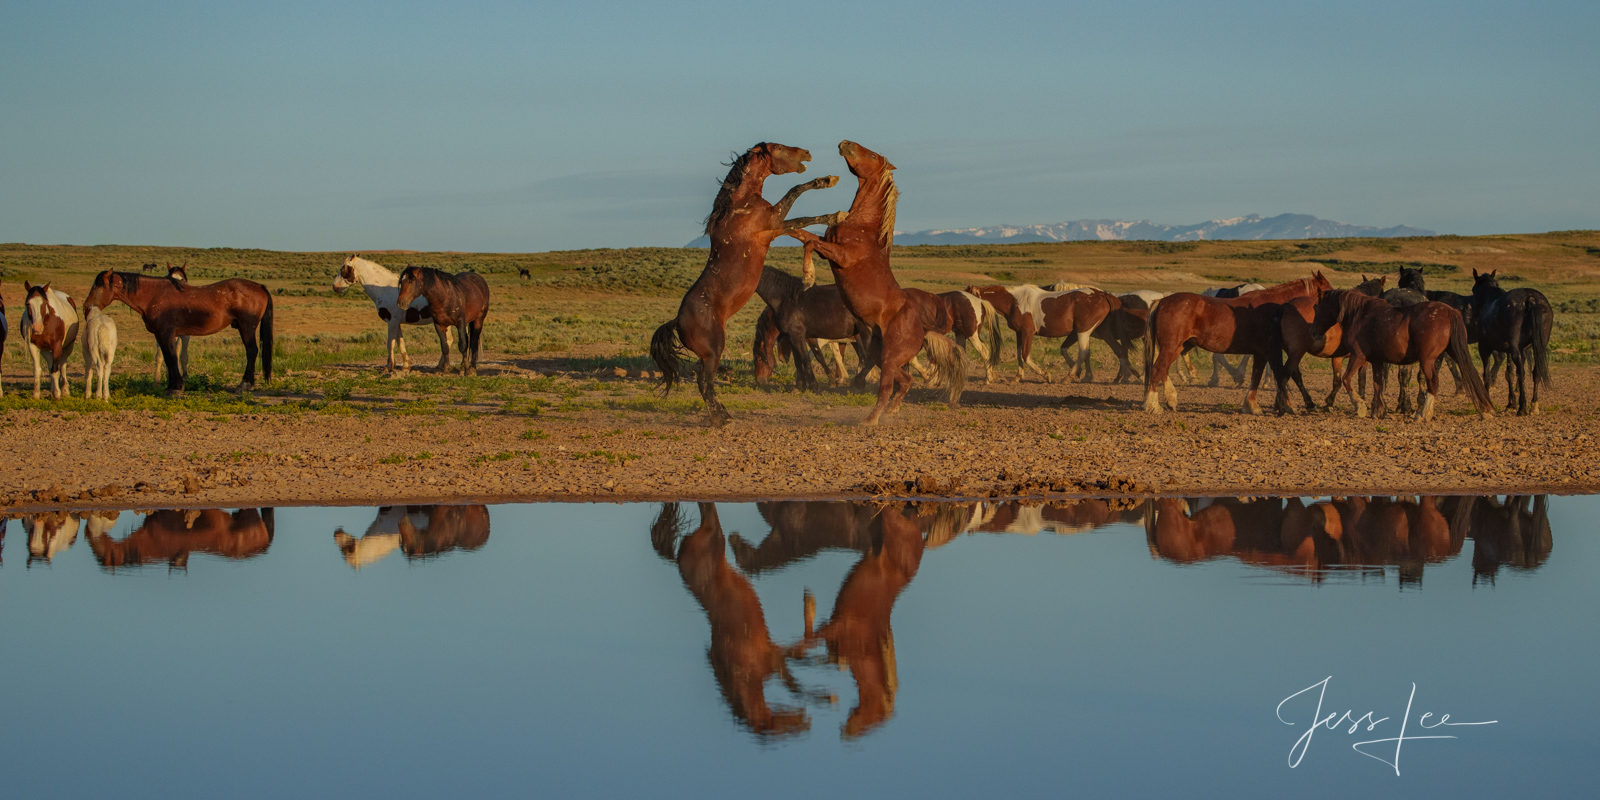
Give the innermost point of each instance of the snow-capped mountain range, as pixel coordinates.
(1253, 226)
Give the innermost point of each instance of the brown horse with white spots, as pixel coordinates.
(1248, 324)
(50, 326)
(741, 227)
(172, 309)
(459, 301)
(858, 249)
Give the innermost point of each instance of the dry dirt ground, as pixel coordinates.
(1006, 439)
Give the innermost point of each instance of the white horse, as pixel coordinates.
(382, 536)
(383, 287)
(99, 350)
(37, 333)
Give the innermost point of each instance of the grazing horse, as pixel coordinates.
(99, 351)
(50, 327)
(1383, 334)
(150, 267)
(858, 252)
(171, 309)
(1510, 323)
(170, 536)
(458, 301)
(523, 273)
(816, 317)
(742, 225)
(1246, 324)
(383, 287)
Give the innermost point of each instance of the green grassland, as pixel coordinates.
(584, 311)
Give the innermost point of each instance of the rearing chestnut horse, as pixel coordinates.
(741, 226)
(858, 251)
(458, 301)
(171, 310)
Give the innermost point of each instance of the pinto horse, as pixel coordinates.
(458, 301)
(857, 250)
(50, 327)
(963, 315)
(383, 288)
(1377, 332)
(742, 225)
(1248, 324)
(1512, 323)
(171, 310)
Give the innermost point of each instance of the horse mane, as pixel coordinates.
(891, 199)
(723, 205)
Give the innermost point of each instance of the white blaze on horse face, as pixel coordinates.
(36, 313)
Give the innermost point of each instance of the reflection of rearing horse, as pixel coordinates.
(742, 652)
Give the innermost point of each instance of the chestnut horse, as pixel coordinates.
(1306, 333)
(857, 250)
(1378, 332)
(742, 225)
(178, 274)
(171, 310)
(1248, 324)
(170, 536)
(50, 327)
(963, 315)
(459, 301)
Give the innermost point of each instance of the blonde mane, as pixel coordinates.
(891, 199)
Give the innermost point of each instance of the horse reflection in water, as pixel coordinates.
(1332, 536)
(417, 531)
(50, 534)
(171, 536)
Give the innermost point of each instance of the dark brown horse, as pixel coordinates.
(1514, 323)
(817, 315)
(459, 301)
(1122, 329)
(1377, 332)
(1247, 324)
(741, 226)
(170, 536)
(857, 249)
(171, 310)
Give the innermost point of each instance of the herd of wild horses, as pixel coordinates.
(1314, 541)
(1362, 330)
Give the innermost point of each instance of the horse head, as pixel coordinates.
(781, 158)
(1411, 278)
(108, 287)
(1485, 283)
(1320, 283)
(37, 302)
(412, 280)
(346, 276)
(863, 162)
(178, 274)
(1372, 286)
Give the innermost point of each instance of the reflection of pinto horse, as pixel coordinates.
(383, 287)
(171, 310)
(741, 226)
(170, 536)
(1248, 324)
(418, 531)
(458, 301)
(858, 251)
(50, 329)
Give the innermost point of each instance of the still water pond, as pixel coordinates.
(806, 649)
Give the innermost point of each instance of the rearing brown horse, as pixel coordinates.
(858, 251)
(741, 226)
(171, 309)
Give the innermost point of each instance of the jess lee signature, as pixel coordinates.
(1366, 723)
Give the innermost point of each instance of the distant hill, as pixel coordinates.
(1254, 226)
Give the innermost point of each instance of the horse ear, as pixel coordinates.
(888, 165)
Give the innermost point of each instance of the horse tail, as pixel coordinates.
(1150, 343)
(1463, 358)
(266, 342)
(1542, 320)
(949, 362)
(991, 321)
(666, 349)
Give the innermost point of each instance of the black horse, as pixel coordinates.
(1511, 323)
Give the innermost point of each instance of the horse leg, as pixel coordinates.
(247, 334)
(445, 335)
(1357, 361)
(983, 354)
(898, 347)
(395, 340)
(1380, 381)
(1257, 366)
(169, 355)
(1159, 372)
(706, 339)
(1455, 372)
(1337, 363)
(183, 356)
(1025, 355)
(1427, 388)
(1405, 395)
(1084, 362)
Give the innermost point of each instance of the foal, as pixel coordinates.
(99, 350)
(50, 326)
(458, 301)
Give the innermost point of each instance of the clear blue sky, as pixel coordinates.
(532, 126)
